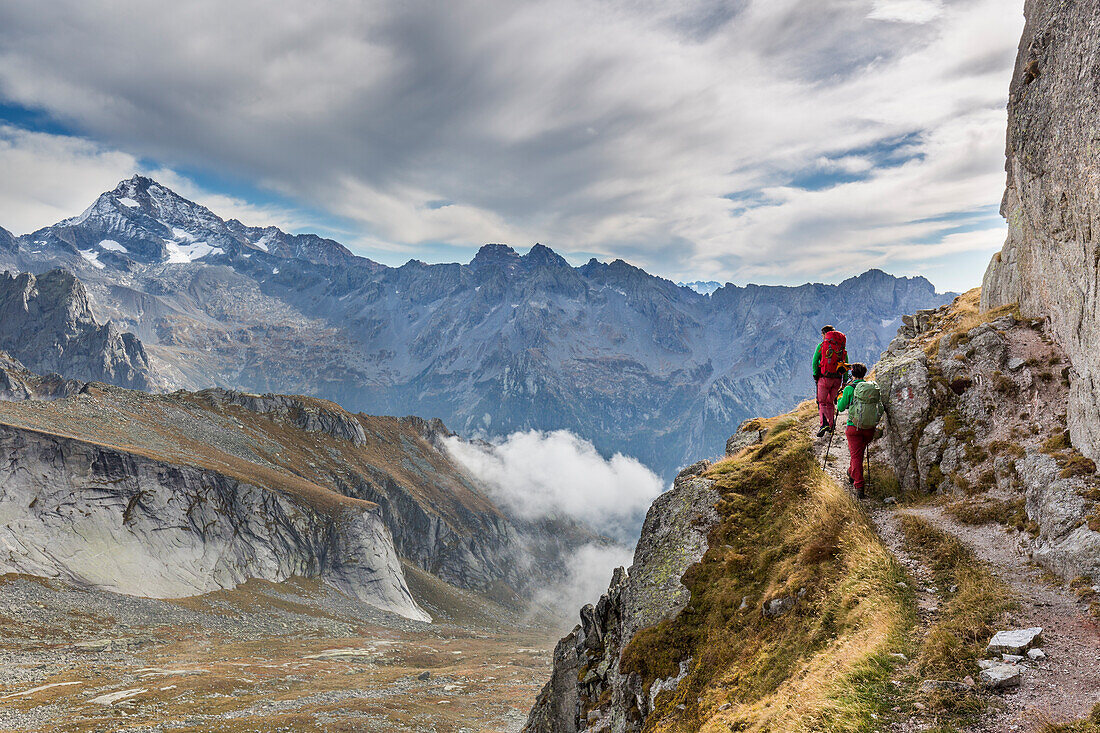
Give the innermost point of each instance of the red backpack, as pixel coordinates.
(832, 353)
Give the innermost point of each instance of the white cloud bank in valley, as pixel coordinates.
(536, 474)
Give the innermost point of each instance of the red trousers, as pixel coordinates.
(827, 390)
(858, 440)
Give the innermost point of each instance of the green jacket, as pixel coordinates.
(817, 362)
(846, 396)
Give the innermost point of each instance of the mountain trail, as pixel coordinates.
(1061, 688)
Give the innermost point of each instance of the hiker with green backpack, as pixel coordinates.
(864, 405)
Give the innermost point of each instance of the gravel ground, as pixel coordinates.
(1063, 687)
(294, 656)
(1066, 685)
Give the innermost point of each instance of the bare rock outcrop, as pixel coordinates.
(46, 323)
(587, 691)
(1050, 263)
(978, 409)
(96, 516)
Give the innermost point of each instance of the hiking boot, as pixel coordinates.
(830, 428)
(850, 479)
(824, 429)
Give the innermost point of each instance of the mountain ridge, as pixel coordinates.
(507, 342)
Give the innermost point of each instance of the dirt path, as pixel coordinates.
(1063, 687)
(1066, 685)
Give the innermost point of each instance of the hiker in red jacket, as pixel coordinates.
(830, 367)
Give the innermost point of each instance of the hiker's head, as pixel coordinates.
(826, 329)
(859, 371)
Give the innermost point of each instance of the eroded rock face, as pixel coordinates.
(983, 412)
(18, 383)
(96, 516)
(586, 690)
(1058, 505)
(1049, 263)
(47, 324)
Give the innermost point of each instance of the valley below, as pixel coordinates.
(264, 656)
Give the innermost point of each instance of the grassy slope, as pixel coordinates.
(823, 666)
(261, 449)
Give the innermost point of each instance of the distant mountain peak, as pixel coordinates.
(495, 254)
(541, 255)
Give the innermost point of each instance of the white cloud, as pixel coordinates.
(906, 11)
(590, 569)
(538, 474)
(47, 178)
(616, 128)
(50, 177)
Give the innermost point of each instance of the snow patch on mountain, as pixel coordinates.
(112, 245)
(703, 287)
(127, 201)
(93, 257)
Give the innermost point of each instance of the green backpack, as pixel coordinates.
(866, 408)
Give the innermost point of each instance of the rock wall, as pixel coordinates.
(980, 413)
(46, 322)
(97, 516)
(586, 690)
(1050, 263)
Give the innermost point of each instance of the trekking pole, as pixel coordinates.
(867, 471)
(825, 462)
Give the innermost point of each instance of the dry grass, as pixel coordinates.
(823, 666)
(981, 510)
(964, 315)
(970, 615)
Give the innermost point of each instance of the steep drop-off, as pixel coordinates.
(180, 493)
(759, 599)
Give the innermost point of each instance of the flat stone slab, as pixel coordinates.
(113, 697)
(1000, 676)
(1015, 641)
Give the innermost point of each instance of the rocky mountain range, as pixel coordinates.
(507, 342)
(167, 495)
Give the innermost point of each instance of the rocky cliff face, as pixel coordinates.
(976, 409)
(210, 488)
(587, 689)
(19, 383)
(759, 591)
(46, 322)
(506, 342)
(1050, 263)
(98, 516)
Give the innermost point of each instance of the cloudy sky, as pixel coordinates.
(769, 141)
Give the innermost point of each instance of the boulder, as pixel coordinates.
(695, 469)
(1014, 641)
(743, 439)
(1036, 655)
(777, 607)
(1000, 676)
(903, 381)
